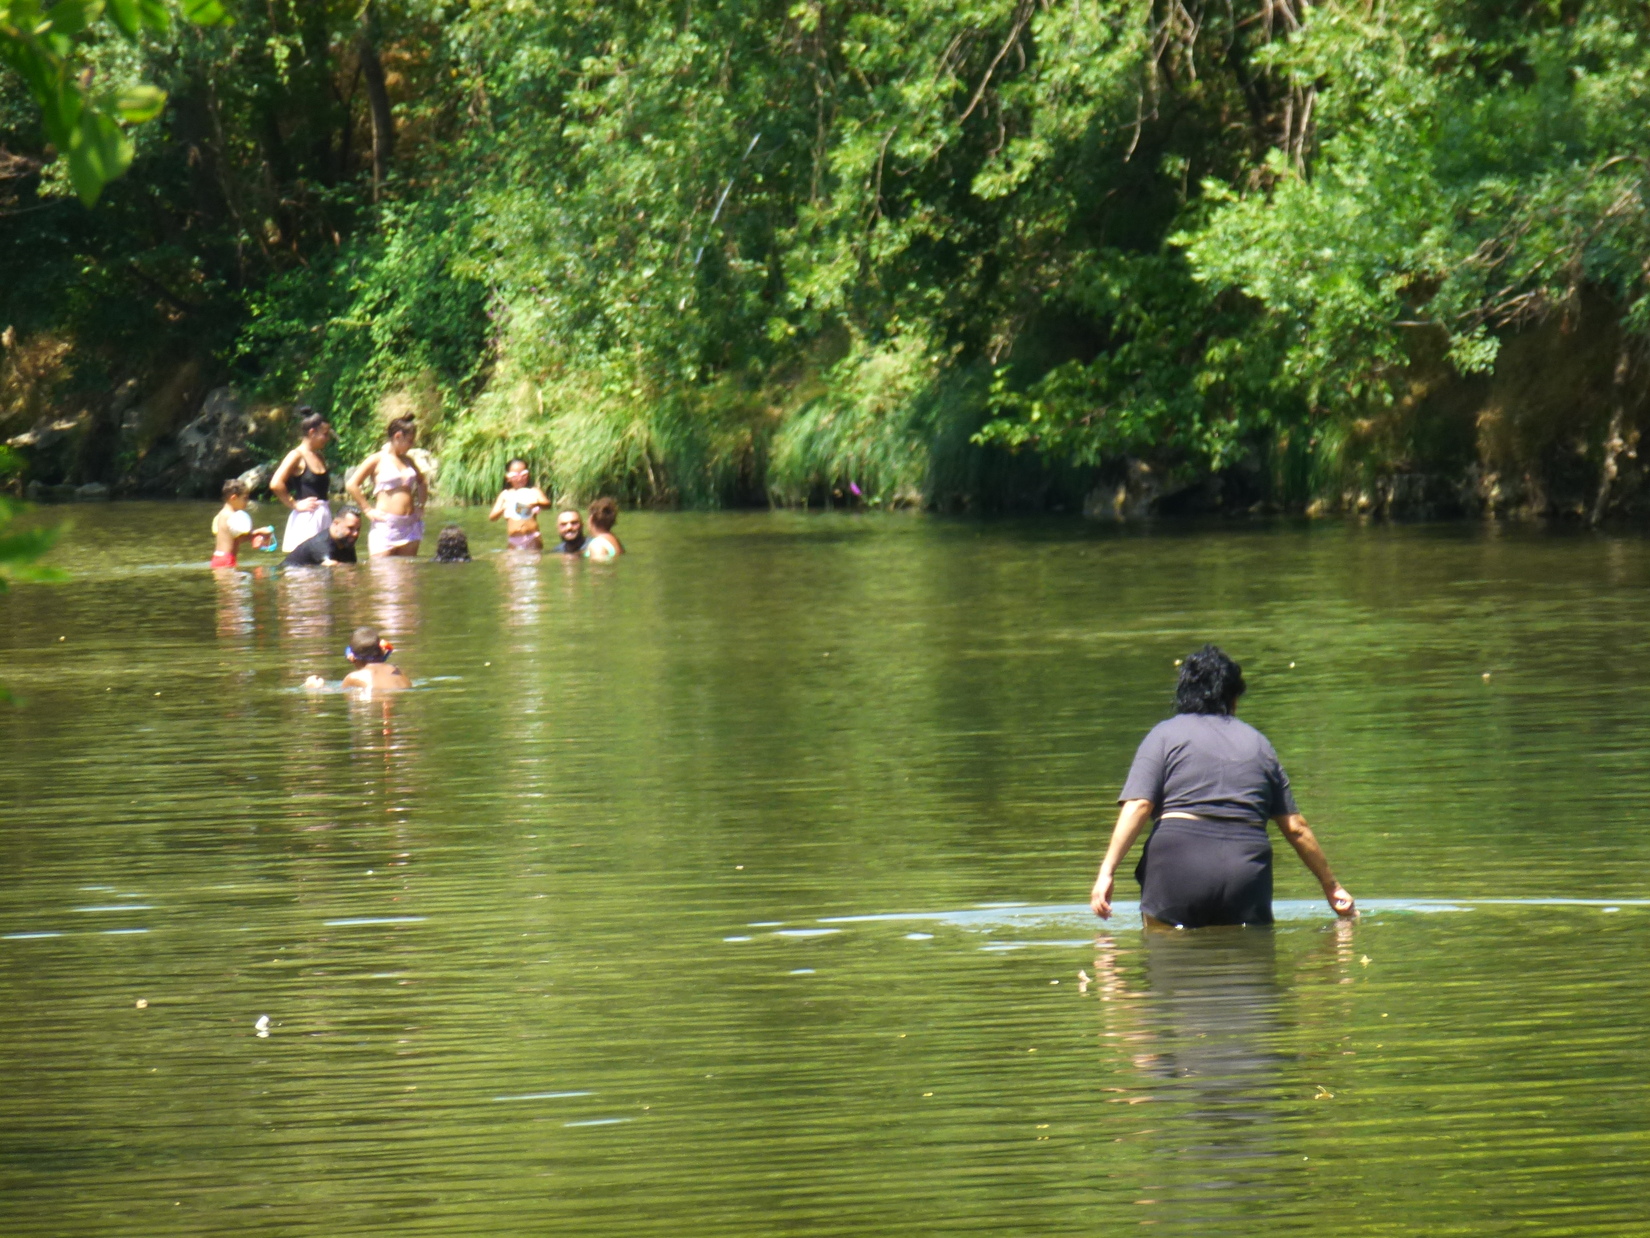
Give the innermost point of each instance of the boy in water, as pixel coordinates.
(372, 670)
(519, 505)
(233, 525)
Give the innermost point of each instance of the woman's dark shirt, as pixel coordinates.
(1209, 765)
(308, 484)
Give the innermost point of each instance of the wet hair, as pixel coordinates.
(604, 514)
(309, 420)
(1210, 683)
(511, 466)
(349, 509)
(232, 487)
(400, 425)
(452, 546)
(364, 642)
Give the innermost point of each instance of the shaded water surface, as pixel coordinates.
(736, 888)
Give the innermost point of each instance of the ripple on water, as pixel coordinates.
(485, 920)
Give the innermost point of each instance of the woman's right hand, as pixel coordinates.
(306, 505)
(1341, 901)
(1100, 896)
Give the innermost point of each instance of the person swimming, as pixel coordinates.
(569, 533)
(604, 514)
(373, 671)
(233, 525)
(518, 506)
(333, 544)
(451, 546)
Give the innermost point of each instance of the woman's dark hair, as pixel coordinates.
(452, 546)
(400, 425)
(604, 514)
(309, 420)
(1210, 683)
(514, 460)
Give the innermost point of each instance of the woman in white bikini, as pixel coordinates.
(302, 480)
(399, 493)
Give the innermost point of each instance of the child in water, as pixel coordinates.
(233, 525)
(519, 505)
(372, 670)
(604, 514)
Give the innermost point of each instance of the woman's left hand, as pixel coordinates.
(1341, 901)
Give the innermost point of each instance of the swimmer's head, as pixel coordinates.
(1210, 683)
(452, 546)
(346, 526)
(604, 514)
(569, 525)
(317, 431)
(517, 473)
(365, 646)
(234, 493)
(402, 433)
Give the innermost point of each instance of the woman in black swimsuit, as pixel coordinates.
(1210, 783)
(302, 481)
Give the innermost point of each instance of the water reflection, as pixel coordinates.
(1205, 1022)
(514, 881)
(235, 622)
(396, 588)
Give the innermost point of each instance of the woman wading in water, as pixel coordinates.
(399, 493)
(302, 480)
(1210, 782)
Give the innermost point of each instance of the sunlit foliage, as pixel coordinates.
(974, 251)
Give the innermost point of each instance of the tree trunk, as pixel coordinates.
(378, 102)
(1614, 443)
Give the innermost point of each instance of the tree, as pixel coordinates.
(46, 45)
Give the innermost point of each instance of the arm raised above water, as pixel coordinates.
(1131, 819)
(1293, 827)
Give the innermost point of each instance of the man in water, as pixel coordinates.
(570, 532)
(373, 671)
(333, 544)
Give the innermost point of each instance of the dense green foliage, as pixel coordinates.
(45, 44)
(975, 251)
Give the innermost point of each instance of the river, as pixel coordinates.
(737, 887)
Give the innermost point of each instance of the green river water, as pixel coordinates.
(738, 887)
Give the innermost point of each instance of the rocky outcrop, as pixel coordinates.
(1131, 498)
(217, 444)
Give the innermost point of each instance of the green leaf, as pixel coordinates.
(204, 12)
(155, 14)
(124, 13)
(98, 152)
(137, 104)
(70, 17)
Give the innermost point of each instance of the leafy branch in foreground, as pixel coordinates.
(47, 44)
(20, 555)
